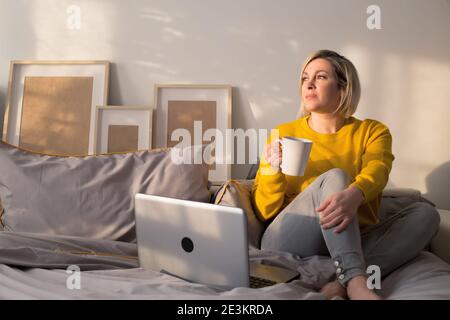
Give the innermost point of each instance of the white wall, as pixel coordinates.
(258, 47)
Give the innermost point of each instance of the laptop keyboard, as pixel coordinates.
(256, 282)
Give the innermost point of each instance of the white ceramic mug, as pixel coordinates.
(295, 155)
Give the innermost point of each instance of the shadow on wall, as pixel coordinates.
(246, 119)
(114, 93)
(438, 186)
(2, 109)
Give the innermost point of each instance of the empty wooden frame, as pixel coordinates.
(179, 106)
(122, 129)
(50, 106)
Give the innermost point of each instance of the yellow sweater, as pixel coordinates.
(361, 148)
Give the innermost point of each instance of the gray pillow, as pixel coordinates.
(91, 196)
(1, 214)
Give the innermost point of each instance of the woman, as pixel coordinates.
(333, 208)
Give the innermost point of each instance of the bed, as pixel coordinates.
(34, 266)
(51, 253)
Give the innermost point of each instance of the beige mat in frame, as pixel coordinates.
(123, 138)
(22, 107)
(184, 114)
(56, 114)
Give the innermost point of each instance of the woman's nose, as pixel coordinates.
(310, 84)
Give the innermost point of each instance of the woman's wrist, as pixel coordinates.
(356, 194)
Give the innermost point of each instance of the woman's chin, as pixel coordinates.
(316, 109)
(319, 109)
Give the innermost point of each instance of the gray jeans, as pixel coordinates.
(388, 244)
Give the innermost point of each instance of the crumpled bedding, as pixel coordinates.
(33, 266)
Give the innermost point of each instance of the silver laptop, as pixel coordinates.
(199, 242)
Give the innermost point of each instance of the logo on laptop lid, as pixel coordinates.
(187, 244)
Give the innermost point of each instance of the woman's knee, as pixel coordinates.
(338, 173)
(427, 217)
(336, 176)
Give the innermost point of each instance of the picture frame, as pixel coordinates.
(50, 105)
(122, 129)
(181, 105)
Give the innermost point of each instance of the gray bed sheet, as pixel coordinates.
(33, 266)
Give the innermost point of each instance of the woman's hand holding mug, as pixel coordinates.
(273, 153)
(296, 155)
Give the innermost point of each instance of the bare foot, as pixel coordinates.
(357, 290)
(333, 289)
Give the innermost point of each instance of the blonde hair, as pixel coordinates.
(347, 78)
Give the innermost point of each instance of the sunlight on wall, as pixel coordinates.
(56, 37)
(422, 129)
(410, 95)
(256, 110)
(273, 106)
(157, 15)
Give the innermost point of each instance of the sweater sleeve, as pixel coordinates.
(268, 190)
(376, 163)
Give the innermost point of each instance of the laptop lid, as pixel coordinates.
(196, 241)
